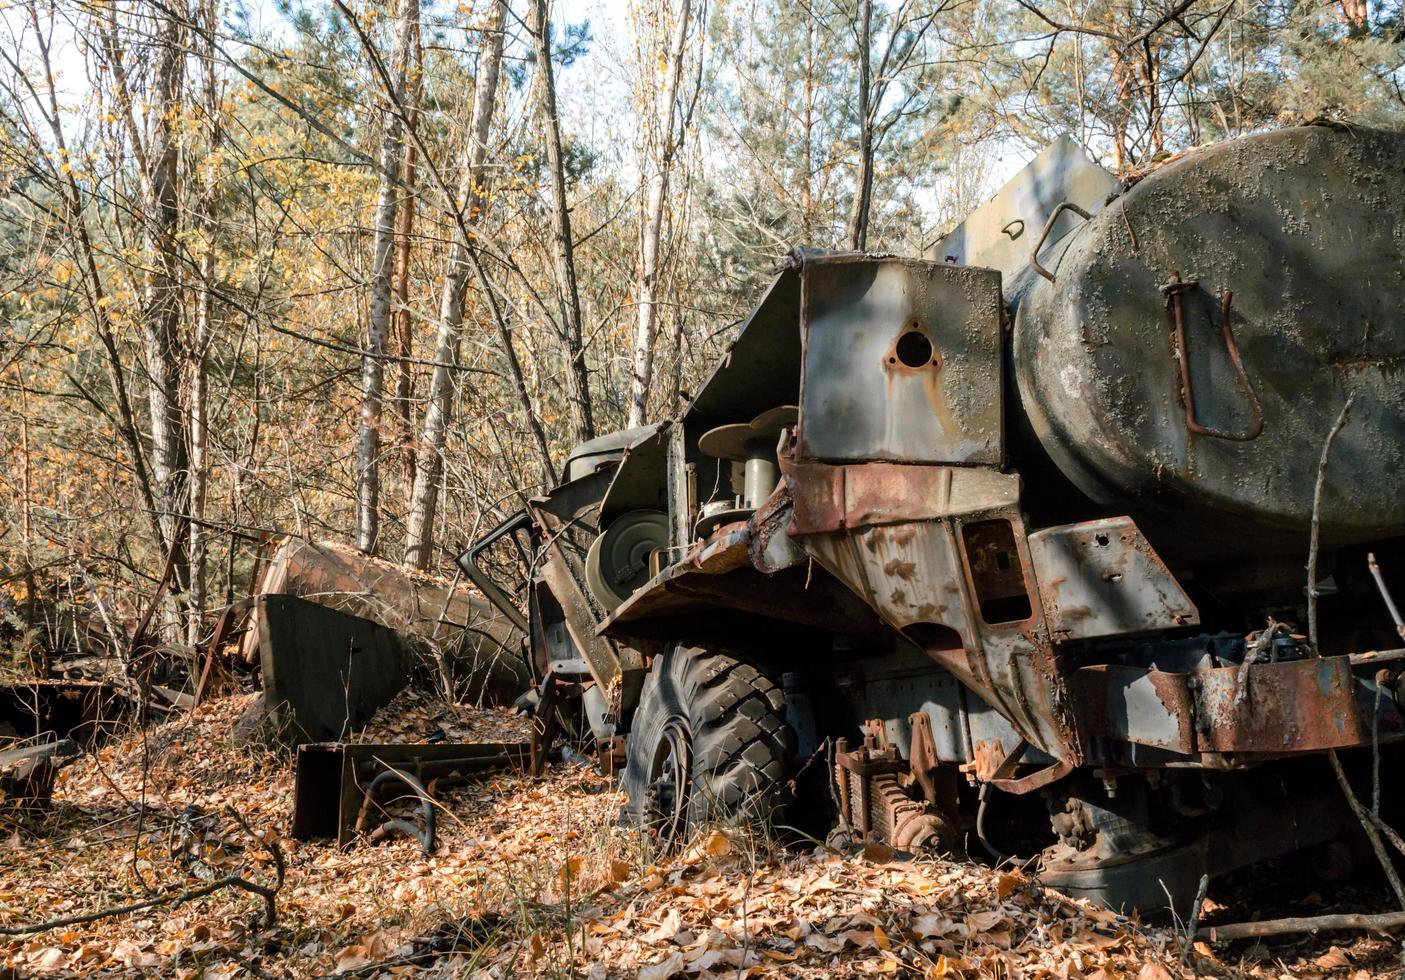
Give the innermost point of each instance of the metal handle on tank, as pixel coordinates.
(1172, 291)
(1048, 227)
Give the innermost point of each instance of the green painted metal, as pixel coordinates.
(1209, 435)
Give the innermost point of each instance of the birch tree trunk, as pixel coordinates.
(368, 448)
(96, 297)
(429, 468)
(863, 181)
(563, 247)
(645, 334)
(161, 302)
(207, 215)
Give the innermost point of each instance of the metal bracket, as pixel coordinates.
(1003, 777)
(468, 561)
(1172, 290)
(1048, 227)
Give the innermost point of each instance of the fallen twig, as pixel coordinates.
(372, 969)
(1195, 914)
(1384, 923)
(267, 892)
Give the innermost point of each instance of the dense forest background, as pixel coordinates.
(366, 271)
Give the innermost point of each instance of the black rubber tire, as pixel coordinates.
(733, 714)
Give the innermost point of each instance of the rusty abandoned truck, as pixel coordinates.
(1007, 543)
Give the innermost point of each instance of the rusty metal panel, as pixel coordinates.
(325, 673)
(1103, 578)
(1282, 708)
(1001, 233)
(1133, 704)
(901, 362)
(415, 603)
(749, 566)
(828, 498)
(1295, 706)
(893, 534)
(329, 788)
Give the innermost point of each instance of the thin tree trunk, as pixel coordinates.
(368, 448)
(642, 365)
(161, 320)
(863, 183)
(675, 347)
(199, 442)
(577, 377)
(93, 286)
(204, 333)
(807, 163)
(1122, 78)
(424, 494)
(1151, 75)
(404, 377)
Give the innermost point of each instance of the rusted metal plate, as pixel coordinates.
(1284, 708)
(1132, 704)
(1103, 578)
(27, 772)
(329, 785)
(772, 547)
(1000, 233)
(894, 535)
(828, 498)
(901, 361)
(748, 566)
(784, 597)
(1298, 706)
(410, 602)
(325, 673)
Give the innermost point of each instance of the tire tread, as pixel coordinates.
(741, 742)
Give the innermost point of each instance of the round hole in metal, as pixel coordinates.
(914, 349)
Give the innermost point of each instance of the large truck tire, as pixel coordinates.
(709, 743)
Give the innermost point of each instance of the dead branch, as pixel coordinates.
(173, 898)
(1383, 923)
(1317, 523)
(1371, 821)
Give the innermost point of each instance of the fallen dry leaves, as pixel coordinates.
(531, 878)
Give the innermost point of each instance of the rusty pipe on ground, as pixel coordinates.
(426, 834)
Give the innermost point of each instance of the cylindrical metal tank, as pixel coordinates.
(1202, 332)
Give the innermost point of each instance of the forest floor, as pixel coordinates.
(531, 877)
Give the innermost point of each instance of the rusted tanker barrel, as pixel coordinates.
(1193, 342)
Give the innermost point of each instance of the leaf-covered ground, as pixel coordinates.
(532, 877)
